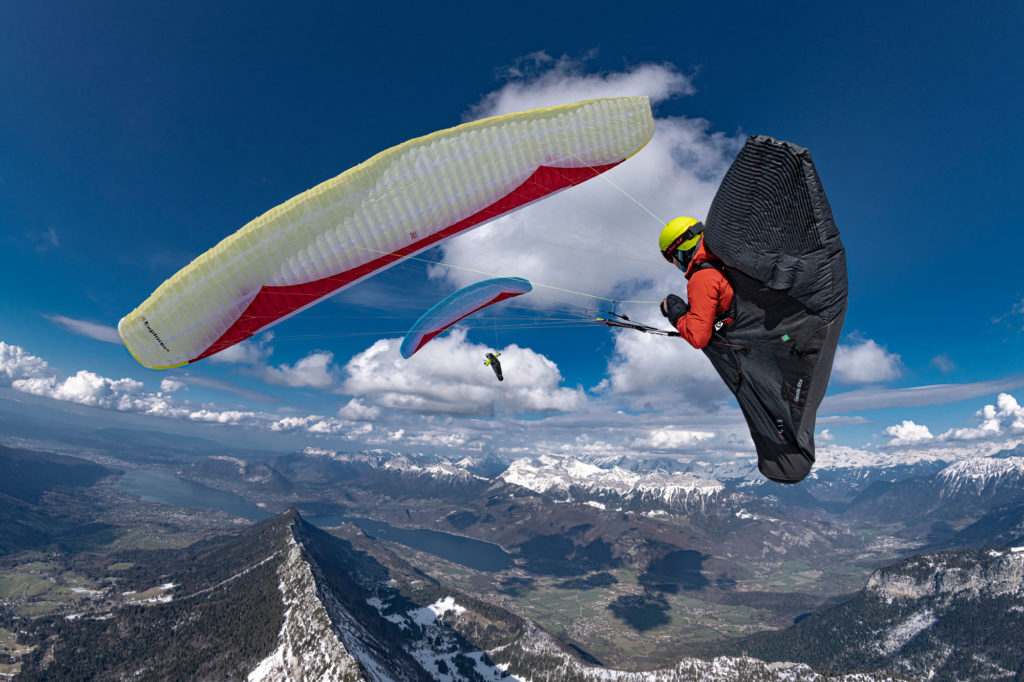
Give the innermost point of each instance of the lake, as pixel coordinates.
(165, 488)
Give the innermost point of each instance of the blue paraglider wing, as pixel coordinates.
(459, 305)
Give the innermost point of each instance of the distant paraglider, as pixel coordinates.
(398, 203)
(495, 364)
(459, 305)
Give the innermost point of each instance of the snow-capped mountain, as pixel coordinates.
(958, 493)
(436, 470)
(982, 476)
(562, 475)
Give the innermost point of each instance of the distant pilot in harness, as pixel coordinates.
(492, 360)
(709, 292)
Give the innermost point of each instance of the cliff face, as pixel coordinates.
(944, 616)
(949, 576)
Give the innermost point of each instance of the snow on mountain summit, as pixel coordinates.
(979, 472)
(547, 474)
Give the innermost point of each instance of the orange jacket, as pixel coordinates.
(709, 294)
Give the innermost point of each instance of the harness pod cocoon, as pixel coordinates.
(772, 226)
(400, 202)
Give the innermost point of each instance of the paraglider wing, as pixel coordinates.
(772, 226)
(458, 305)
(398, 203)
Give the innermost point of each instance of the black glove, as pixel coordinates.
(673, 308)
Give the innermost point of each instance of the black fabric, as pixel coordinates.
(771, 225)
(673, 308)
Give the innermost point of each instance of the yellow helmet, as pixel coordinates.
(680, 234)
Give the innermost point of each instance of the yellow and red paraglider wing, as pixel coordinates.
(401, 201)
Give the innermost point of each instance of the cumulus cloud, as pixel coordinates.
(605, 229)
(599, 239)
(15, 363)
(908, 433)
(995, 424)
(172, 385)
(316, 370)
(943, 363)
(671, 439)
(445, 439)
(100, 332)
(320, 425)
(233, 417)
(539, 80)
(355, 410)
(657, 372)
(865, 363)
(30, 374)
(447, 376)
(994, 421)
(84, 388)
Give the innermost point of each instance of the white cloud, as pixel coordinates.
(31, 374)
(100, 332)
(659, 372)
(441, 439)
(355, 410)
(315, 371)
(233, 417)
(824, 436)
(916, 396)
(598, 238)
(671, 439)
(447, 376)
(908, 433)
(15, 363)
(84, 388)
(943, 363)
(865, 363)
(539, 80)
(320, 425)
(171, 385)
(994, 421)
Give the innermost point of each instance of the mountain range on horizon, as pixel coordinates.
(567, 526)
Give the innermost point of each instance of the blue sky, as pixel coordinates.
(134, 136)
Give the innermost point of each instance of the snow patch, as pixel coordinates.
(907, 630)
